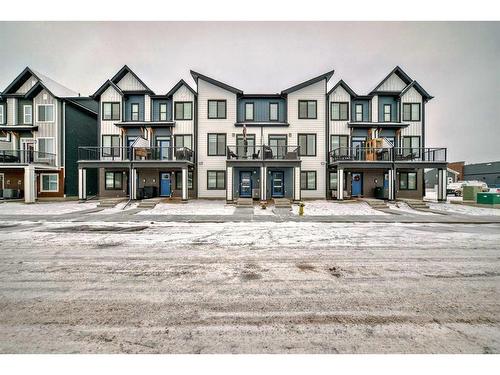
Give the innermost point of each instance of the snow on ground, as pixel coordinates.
(404, 208)
(44, 208)
(257, 210)
(464, 209)
(431, 195)
(192, 207)
(117, 209)
(324, 207)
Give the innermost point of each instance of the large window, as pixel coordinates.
(340, 111)
(308, 180)
(387, 112)
(339, 144)
(110, 145)
(273, 111)
(407, 181)
(411, 111)
(307, 144)
(27, 114)
(178, 180)
(135, 112)
(217, 109)
(45, 147)
(411, 146)
(278, 147)
(49, 182)
(334, 181)
(216, 144)
(183, 110)
(243, 150)
(184, 140)
(163, 111)
(249, 116)
(2, 117)
(113, 180)
(358, 112)
(45, 113)
(111, 111)
(216, 180)
(308, 109)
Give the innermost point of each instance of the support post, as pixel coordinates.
(263, 183)
(29, 184)
(392, 192)
(82, 183)
(441, 193)
(296, 188)
(184, 184)
(340, 184)
(133, 183)
(229, 184)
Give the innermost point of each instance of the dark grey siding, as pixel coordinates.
(366, 109)
(156, 109)
(486, 172)
(20, 110)
(128, 106)
(261, 108)
(394, 108)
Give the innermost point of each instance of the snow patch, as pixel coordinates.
(44, 208)
(192, 207)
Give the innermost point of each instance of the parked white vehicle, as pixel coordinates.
(456, 188)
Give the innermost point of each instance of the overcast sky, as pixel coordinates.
(457, 63)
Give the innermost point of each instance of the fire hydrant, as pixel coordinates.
(301, 208)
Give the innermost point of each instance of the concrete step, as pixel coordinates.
(244, 202)
(109, 203)
(282, 203)
(416, 204)
(377, 204)
(149, 203)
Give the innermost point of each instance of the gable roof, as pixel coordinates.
(123, 72)
(220, 84)
(178, 85)
(103, 88)
(84, 103)
(345, 86)
(311, 81)
(419, 89)
(399, 72)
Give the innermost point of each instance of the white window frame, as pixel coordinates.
(356, 113)
(53, 113)
(41, 182)
(53, 152)
(249, 111)
(25, 114)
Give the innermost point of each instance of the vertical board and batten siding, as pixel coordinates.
(48, 129)
(26, 86)
(208, 91)
(109, 127)
(147, 108)
(261, 108)
(133, 99)
(11, 111)
(316, 91)
(130, 83)
(183, 94)
(391, 100)
(338, 127)
(393, 83)
(415, 127)
(375, 108)
(156, 109)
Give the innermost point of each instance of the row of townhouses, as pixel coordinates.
(215, 141)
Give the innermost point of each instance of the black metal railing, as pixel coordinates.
(264, 152)
(392, 154)
(135, 153)
(27, 157)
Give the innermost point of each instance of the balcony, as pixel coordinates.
(135, 154)
(265, 152)
(384, 154)
(27, 157)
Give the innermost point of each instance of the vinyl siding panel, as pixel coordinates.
(130, 83)
(183, 94)
(48, 129)
(134, 99)
(156, 109)
(11, 111)
(393, 83)
(415, 127)
(261, 108)
(147, 108)
(26, 86)
(339, 127)
(108, 127)
(375, 108)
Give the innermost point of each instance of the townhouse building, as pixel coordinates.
(41, 126)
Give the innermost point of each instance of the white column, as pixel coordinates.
(82, 183)
(340, 184)
(391, 184)
(296, 189)
(29, 184)
(263, 183)
(441, 193)
(229, 184)
(133, 183)
(184, 184)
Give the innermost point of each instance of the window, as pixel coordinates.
(217, 144)
(45, 113)
(387, 112)
(183, 110)
(113, 180)
(407, 181)
(273, 111)
(163, 111)
(110, 145)
(340, 111)
(28, 114)
(241, 149)
(49, 182)
(184, 141)
(216, 109)
(45, 147)
(411, 146)
(278, 145)
(135, 112)
(2, 119)
(334, 181)
(307, 109)
(249, 112)
(307, 144)
(340, 143)
(308, 180)
(358, 112)
(111, 111)
(216, 180)
(178, 180)
(411, 111)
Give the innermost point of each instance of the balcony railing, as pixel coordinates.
(27, 157)
(393, 154)
(265, 152)
(135, 153)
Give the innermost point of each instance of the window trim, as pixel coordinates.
(112, 113)
(160, 105)
(217, 152)
(114, 180)
(24, 114)
(38, 146)
(183, 136)
(307, 106)
(53, 113)
(132, 112)
(356, 106)
(42, 190)
(190, 113)
(338, 135)
(407, 181)
(340, 117)
(277, 111)
(217, 171)
(253, 111)
(411, 112)
(217, 117)
(315, 180)
(315, 143)
(385, 113)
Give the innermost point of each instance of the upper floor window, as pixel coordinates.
(340, 144)
(183, 110)
(308, 109)
(273, 111)
(217, 109)
(135, 112)
(340, 111)
(45, 113)
(387, 112)
(184, 141)
(307, 144)
(45, 146)
(358, 112)
(2, 118)
(28, 114)
(110, 145)
(163, 111)
(249, 112)
(111, 111)
(411, 111)
(216, 144)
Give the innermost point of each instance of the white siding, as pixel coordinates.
(208, 91)
(183, 94)
(147, 108)
(393, 83)
(339, 127)
(26, 86)
(375, 108)
(48, 129)
(109, 127)
(415, 127)
(130, 83)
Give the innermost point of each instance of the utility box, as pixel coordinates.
(469, 193)
(379, 192)
(488, 198)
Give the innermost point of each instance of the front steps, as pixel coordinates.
(377, 204)
(149, 203)
(244, 202)
(282, 203)
(416, 204)
(109, 203)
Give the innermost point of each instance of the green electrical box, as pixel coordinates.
(488, 198)
(469, 193)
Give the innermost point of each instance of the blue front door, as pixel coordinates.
(246, 184)
(357, 184)
(165, 184)
(278, 184)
